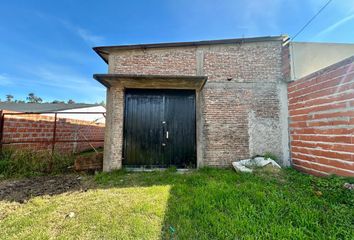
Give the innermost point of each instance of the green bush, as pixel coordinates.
(16, 163)
(172, 169)
(271, 156)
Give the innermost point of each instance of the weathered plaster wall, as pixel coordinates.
(240, 105)
(264, 126)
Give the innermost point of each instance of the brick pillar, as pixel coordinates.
(113, 144)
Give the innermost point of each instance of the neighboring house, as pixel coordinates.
(195, 104)
(59, 108)
(309, 57)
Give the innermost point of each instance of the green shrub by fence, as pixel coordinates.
(17, 163)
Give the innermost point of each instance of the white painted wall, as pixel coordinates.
(307, 57)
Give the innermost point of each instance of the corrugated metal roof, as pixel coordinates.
(42, 107)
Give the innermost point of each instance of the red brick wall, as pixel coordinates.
(34, 127)
(321, 110)
(179, 61)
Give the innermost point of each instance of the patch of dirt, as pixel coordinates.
(24, 189)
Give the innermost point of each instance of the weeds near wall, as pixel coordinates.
(271, 156)
(18, 163)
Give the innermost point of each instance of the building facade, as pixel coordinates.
(232, 94)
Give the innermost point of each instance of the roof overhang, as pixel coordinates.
(104, 51)
(151, 81)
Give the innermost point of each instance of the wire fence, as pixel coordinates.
(62, 131)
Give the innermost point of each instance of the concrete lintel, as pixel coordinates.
(151, 81)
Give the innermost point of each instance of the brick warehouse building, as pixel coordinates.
(208, 103)
(195, 104)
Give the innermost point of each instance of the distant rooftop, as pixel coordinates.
(42, 107)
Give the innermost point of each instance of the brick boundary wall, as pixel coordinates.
(321, 111)
(36, 127)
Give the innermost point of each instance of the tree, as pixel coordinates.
(103, 103)
(9, 98)
(32, 98)
(57, 101)
(71, 101)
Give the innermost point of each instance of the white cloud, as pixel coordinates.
(5, 80)
(335, 26)
(88, 37)
(268, 11)
(61, 77)
(248, 18)
(60, 82)
(344, 6)
(84, 34)
(258, 15)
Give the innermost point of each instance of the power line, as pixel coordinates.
(313, 18)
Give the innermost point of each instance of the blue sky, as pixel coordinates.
(46, 46)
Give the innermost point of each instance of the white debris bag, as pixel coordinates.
(246, 165)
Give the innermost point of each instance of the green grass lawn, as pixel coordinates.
(203, 204)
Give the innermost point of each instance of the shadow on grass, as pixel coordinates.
(221, 204)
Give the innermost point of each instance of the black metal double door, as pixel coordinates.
(159, 128)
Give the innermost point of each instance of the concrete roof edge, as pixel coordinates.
(118, 75)
(103, 77)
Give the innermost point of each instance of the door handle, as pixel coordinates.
(166, 134)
